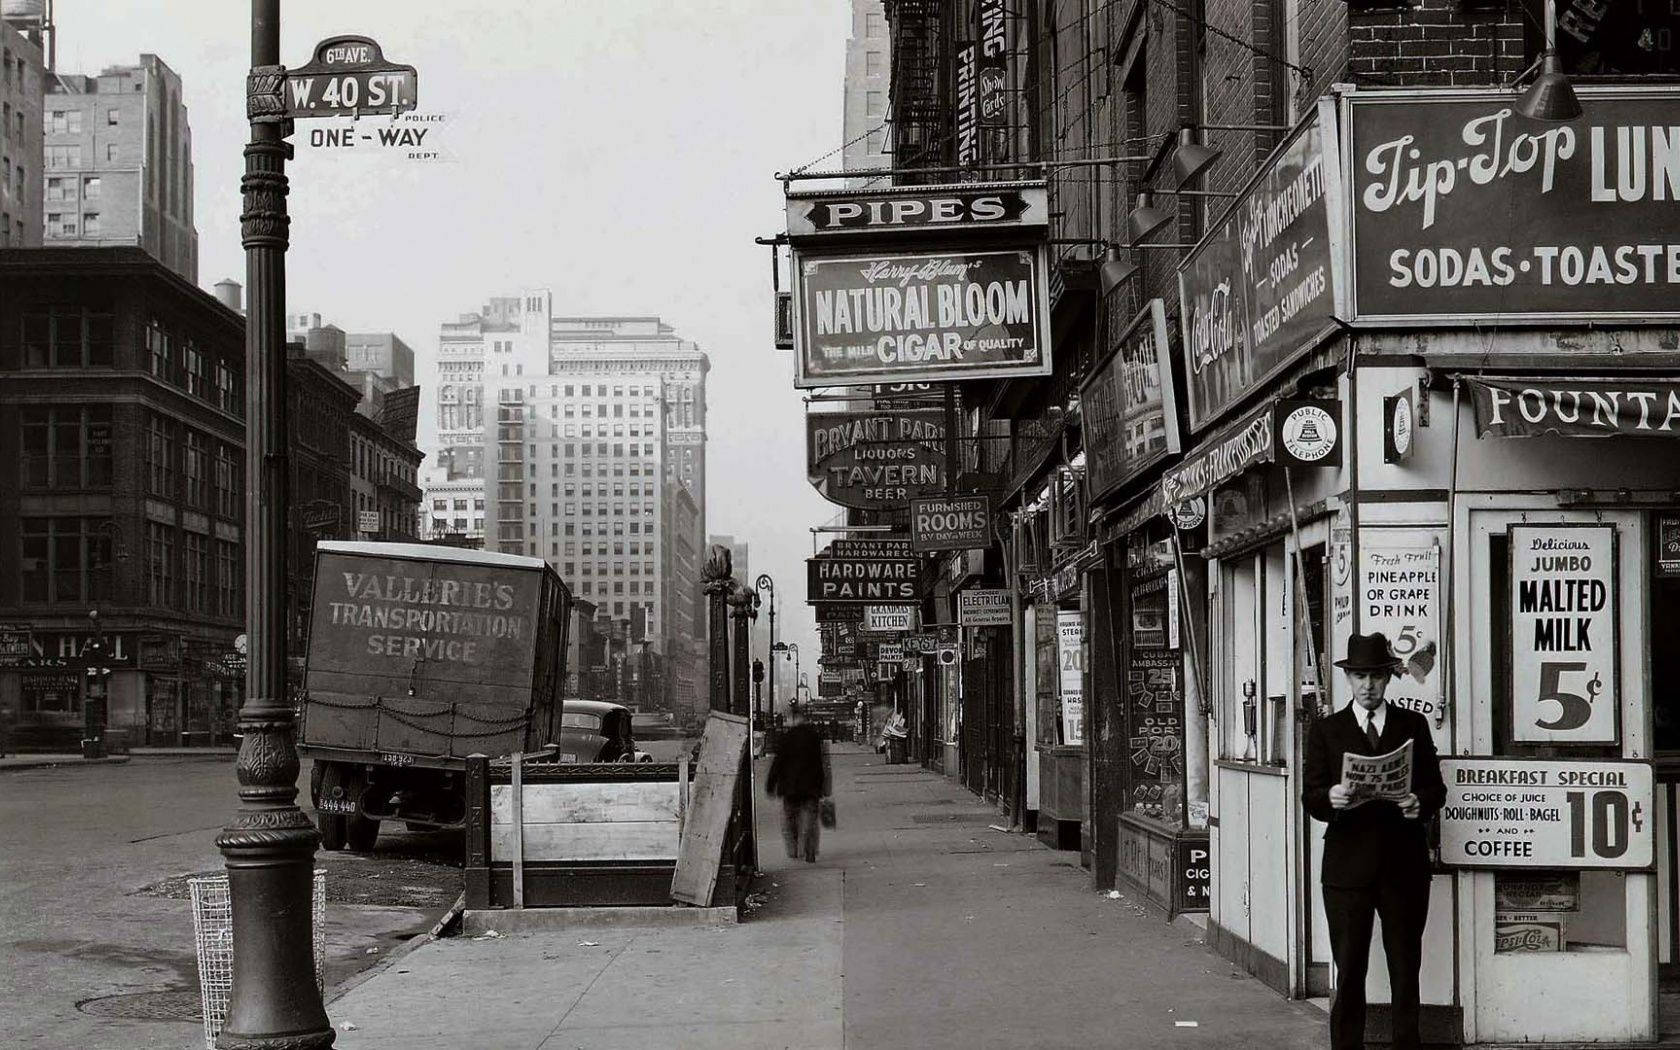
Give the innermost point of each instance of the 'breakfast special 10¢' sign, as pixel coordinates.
(1563, 634)
(1466, 212)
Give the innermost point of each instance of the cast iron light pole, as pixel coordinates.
(270, 844)
(791, 647)
(765, 583)
(715, 575)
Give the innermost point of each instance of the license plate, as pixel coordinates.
(336, 805)
(568, 756)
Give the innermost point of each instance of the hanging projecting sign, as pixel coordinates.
(951, 523)
(983, 607)
(1263, 286)
(891, 211)
(993, 84)
(967, 108)
(924, 316)
(830, 613)
(1575, 407)
(1542, 813)
(870, 581)
(1564, 635)
(1129, 410)
(1308, 432)
(889, 546)
(1400, 598)
(1070, 652)
(349, 75)
(1668, 546)
(875, 460)
(1398, 426)
(1464, 212)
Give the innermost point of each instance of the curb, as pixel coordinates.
(535, 920)
(402, 951)
(49, 762)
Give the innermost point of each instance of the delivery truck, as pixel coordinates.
(419, 656)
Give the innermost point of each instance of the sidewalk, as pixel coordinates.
(41, 761)
(919, 926)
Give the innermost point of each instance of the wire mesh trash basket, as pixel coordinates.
(213, 934)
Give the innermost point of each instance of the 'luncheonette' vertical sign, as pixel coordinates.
(1563, 634)
(1130, 413)
(1465, 212)
(1263, 286)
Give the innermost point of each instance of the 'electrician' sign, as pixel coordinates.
(349, 75)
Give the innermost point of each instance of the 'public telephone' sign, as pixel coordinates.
(1563, 634)
(1538, 813)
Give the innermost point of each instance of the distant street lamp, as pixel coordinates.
(790, 647)
(765, 583)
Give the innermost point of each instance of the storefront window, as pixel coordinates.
(1154, 703)
(1044, 648)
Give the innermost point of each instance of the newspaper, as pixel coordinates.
(1378, 776)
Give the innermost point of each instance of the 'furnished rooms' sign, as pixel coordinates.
(1563, 634)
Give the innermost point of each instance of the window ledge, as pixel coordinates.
(1242, 766)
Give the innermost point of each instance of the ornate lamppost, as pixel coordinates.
(270, 844)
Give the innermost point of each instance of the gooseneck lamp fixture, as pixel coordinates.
(1190, 158)
(1114, 271)
(1146, 218)
(1551, 97)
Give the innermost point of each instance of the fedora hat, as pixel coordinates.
(1368, 652)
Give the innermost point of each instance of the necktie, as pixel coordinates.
(1371, 736)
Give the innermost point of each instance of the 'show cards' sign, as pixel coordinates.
(1465, 212)
(1563, 634)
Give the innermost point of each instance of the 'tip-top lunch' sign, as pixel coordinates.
(1465, 212)
(1541, 813)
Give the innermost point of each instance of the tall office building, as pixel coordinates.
(868, 76)
(586, 439)
(118, 163)
(21, 76)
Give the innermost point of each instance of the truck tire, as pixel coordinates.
(361, 832)
(325, 778)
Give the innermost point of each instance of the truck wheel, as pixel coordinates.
(332, 830)
(361, 832)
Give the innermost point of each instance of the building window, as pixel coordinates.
(65, 560)
(193, 467)
(61, 157)
(113, 117)
(111, 152)
(229, 481)
(90, 224)
(160, 458)
(874, 24)
(874, 63)
(229, 601)
(195, 573)
(160, 564)
(875, 103)
(66, 447)
(157, 352)
(66, 337)
(59, 189)
(64, 121)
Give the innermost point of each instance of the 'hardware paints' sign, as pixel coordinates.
(1563, 634)
(1540, 813)
(866, 581)
(1130, 412)
(1261, 288)
(873, 460)
(1465, 212)
(924, 316)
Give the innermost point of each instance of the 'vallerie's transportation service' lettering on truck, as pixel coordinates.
(434, 619)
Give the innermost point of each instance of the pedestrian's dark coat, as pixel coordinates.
(799, 772)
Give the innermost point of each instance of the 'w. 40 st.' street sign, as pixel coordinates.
(348, 75)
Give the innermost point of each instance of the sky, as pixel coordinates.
(619, 152)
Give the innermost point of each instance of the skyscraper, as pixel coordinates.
(594, 459)
(868, 75)
(118, 163)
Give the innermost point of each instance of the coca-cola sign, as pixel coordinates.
(1262, 287)
(1466, 212)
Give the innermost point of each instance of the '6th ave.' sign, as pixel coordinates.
(349, 75)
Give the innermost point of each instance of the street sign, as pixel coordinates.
(349, 75)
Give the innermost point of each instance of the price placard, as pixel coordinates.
(1563, 634)
(1544, 813)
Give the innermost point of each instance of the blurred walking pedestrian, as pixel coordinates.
(800, 775)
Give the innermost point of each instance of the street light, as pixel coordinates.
(270, 844)
(765, 583)
(789, 647)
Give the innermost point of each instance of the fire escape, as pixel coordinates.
(921, 114)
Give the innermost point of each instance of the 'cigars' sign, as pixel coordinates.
(1464, 211)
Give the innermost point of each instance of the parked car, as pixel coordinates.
(597, 731)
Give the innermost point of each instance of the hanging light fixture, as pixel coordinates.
(1191, 158)
(1145, 219)
(1551, 96)
(1114, 271)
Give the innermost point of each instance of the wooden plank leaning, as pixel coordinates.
(711, 804)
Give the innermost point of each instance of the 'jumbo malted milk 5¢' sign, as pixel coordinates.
(1563, 634)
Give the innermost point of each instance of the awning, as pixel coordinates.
(1511, 406)
(1242, 446)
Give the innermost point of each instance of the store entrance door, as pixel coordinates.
(1664, 627)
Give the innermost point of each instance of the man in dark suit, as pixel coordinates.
(1376, 852)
